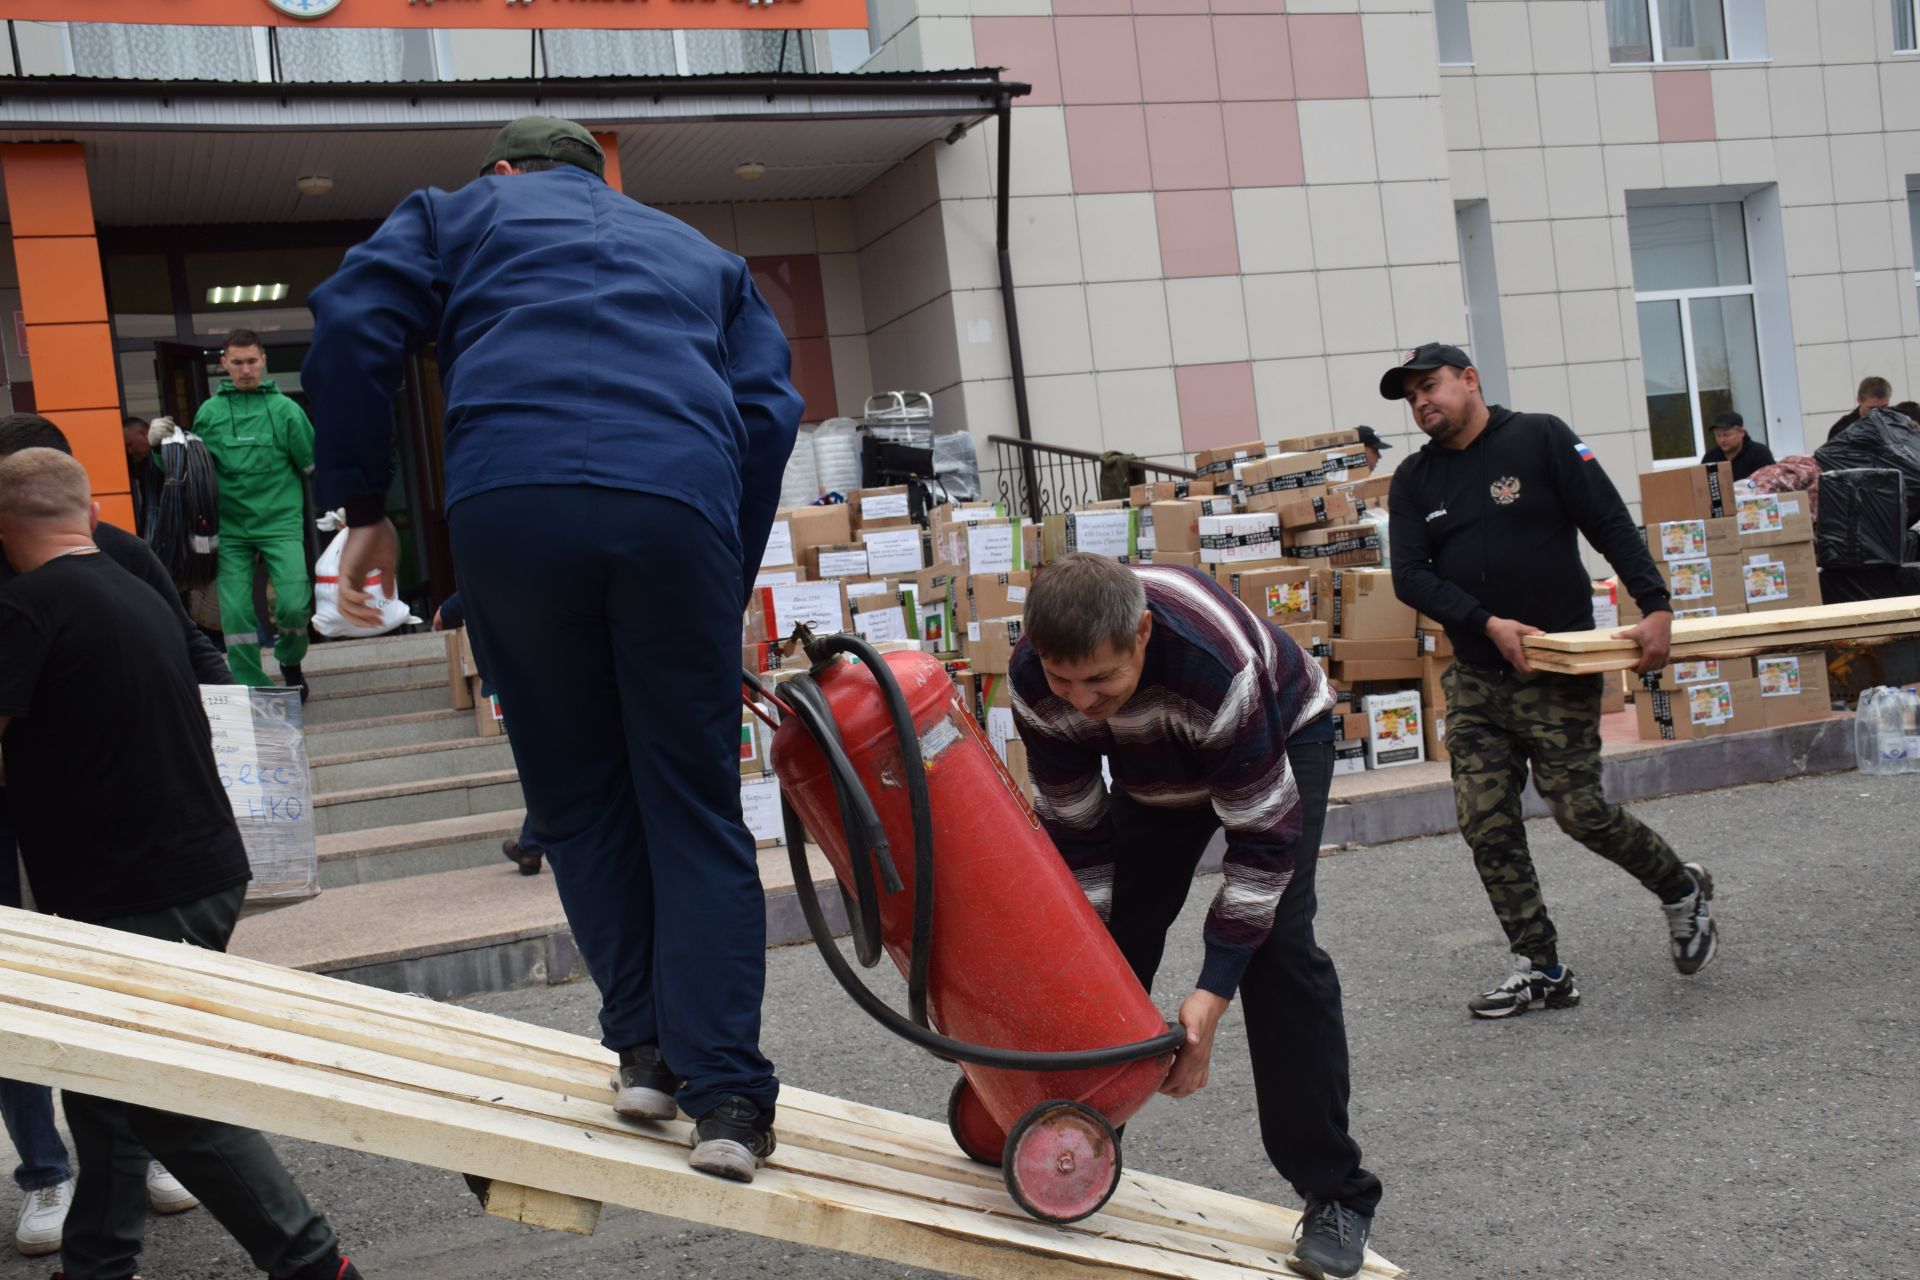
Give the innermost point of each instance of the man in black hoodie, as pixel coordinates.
(1484, 523)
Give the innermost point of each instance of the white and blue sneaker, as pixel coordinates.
(1693, 937)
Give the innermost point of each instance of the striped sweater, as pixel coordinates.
(1221, 691)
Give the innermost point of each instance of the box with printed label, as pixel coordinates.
(782, 577)
(994, 595)
(987, 546)
(1692, 492)
(754, 737)
(1701, 672)
(1265, 483)
(1699, 710)
(885, 616)
(1436, 740)
(1338, 545)
(1110, 533)
(1371, 492)
(779, 550)
(816, 527)
(1349, 756)
(1395, 733)
(489, 720)
(1217, 464)
(895, 551)
(1431, 637)
(819, 606)
(836, 560)
(1709, 582)
(1361, 604)
(1608, 611)
(1771, 520)
(993, 650)
(1239, 539)
(1017, 769)
(1185, 559)
(993, 708)
(457, 673)
(1301, 512)
(760, 809)
(1691, 539)
(1282, 593)
(1794, 687)
(1783, 577)
(887, 508)
(1141, 495)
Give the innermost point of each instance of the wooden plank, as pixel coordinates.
(507, 1051)
(852, 1148)
(530, 1206)
(1595, 663)
(1776, 622)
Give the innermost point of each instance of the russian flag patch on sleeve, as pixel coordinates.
(1580, 447)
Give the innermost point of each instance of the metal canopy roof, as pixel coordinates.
(184, 154)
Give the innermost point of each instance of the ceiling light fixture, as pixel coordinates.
(750, 171)
(315, 184)
(224, 294)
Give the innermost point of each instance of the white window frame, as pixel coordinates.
(1745, 22)
(1913, 24)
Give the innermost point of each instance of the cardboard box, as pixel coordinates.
(1395, 732)
(836, 560)
(1314, 639)
(1320, 440)
(1436, 736)
(1700, 710)
(1609, 612)
(815, 527)
(1239, 539)
(1217, 464)
(489, 721)
(1186, 559)
(784, 576)
(993, 595)
(1433, 685)
(1111, 533)
(1710, 582)
(1351, 727)
(993, 708)
(1431, 638)
(1141, 495)
(1176, 526)
(754, 738)
(1302, 512)
(1771, 520)
(1692, 492)
(779, 552)
(1346, 651)
(1349, 756)
(1691, 539)
(760, 807)
(894, 551)
(885, 508)
(1375, 670)
(468, 662)
(820, 606)
(1265, 483)
(1361, 605)
(885, 616)
(1282, 594)
(1794, 687)
(457, 674)
(1613, 694)
(1338, 545)
(990, 645)
(1783, 577)
(1017, 769)
(1371, 492)
(1678, 674)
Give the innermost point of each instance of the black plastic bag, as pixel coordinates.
(1882, 440)
(1863, 518)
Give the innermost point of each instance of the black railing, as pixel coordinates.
(1039, 480)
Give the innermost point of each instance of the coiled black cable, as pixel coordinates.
(865, 835)
(184, 527)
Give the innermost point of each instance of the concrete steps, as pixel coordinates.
(357, 677)
(372, 854)
(411, 762)
(374, 733)
(394, 691)
(331, 655)
(398, 803)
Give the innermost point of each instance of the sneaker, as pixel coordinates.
(1333, 1241)
(732, 1140)
(331, 1267)
(1526, 988)
(528, 860)
(644, 1086)
(164, 1192)
(43, 1218)
(1693, 938)
(294, 678)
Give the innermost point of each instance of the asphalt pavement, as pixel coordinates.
(1756, 1120)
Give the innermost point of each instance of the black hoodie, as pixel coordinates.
(1490, 531)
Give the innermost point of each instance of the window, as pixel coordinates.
(1913, 223)
(135, 51)
(1906, 26)
(1646, 31)
(1456, 40)
(349, 55)
(1693, 285)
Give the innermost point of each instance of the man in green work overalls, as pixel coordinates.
(262, 447)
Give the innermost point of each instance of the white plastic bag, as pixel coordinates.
(326, 589)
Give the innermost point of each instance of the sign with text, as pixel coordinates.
(511, 15)
(261, 756)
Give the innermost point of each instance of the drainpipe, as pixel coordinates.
(1004, 114)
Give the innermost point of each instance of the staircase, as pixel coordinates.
(410, 808)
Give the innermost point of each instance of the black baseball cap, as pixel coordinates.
(1433, 355)
(547, 138)
(1371, 438)
(1730, 419)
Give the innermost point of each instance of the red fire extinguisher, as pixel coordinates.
(1010, 973)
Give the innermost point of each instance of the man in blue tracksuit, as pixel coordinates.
(618, 418)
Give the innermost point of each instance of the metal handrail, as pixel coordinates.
(1049, 479)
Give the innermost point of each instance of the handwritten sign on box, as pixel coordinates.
(261, 756)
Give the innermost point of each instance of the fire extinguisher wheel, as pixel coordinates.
(1062, 1161)
(978, 1135)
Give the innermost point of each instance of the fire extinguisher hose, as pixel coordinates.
(801, 697)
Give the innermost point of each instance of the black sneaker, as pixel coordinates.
(528, 860)
(331, 1267)
(294, 678)
(1333, 1241)
(1693, 938)
(732, 1140)
(1526, 988)
(644, 1086)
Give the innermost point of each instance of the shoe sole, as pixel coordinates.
(1566, 1001)
(644, 1104)
(1308, 1267)
(172, 1206)
(725, 1158)
(31, 1250)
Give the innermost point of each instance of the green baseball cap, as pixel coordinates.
(547, 138)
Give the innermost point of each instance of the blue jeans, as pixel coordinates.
(27, 1109)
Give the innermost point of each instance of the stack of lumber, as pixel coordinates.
(1736, 636)
(166, 1025)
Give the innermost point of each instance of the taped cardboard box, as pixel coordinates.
(1361, 605)
(1217, 464)
(836, 560)
(1240, 539)
(1700, 710)
(1674, 675)
(1302, 512)
(779, 551)
(1141, 495)
(1691, 539)
(784, 576)
(1321, 440)
(999, 545)
(1176, 526)
(1101, 532)
(1266, 482)
(1395, 730)
(819, 606)
(468, 662)
(887, 616)
(1794, 687)
(1185, 559)
(935, 598)
(1314, 639)
(1771, 520)
(993, 708)
(990, 645)
(458, 688)
(1282, 594)
(994, 595)
(1613, 694)
(1370, 493)
(1431, 638)
(894, 551)
(816, 527)
(1337, 545)
(1693, 492)
(760, 808)
(1709, 582)
(1375, 670)
(1436, 739)
(1785, 577)
(1349, 756)
(884, 508)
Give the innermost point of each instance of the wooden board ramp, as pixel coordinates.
(166, 1025)
(1736, 636)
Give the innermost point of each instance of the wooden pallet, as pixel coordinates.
(1738, 636)
(163, 1024)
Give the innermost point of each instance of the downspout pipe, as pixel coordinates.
(1016, 360)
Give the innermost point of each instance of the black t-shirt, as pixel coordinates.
(109, 756)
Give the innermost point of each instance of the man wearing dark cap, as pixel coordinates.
(1485, 522)
(1370, 441)
(618, 417)
(1730, 444)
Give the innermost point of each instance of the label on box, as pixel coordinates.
(1695, 672)
(1779, 677)
(885, 506)
(1683, 539)
(1691, 579)
(749, 738)
(775, 578)
(1000, 729)
(1016, 595)
(1710, 703)
(1758, 513)
(861, 590)
(1101, 533)
(760, 808)
(1710, 611)
(1764, 579)
(1289, 598)
(1789, 506)
(843, 564)
(779, 544)
(893, 551)
(1605, 614)
(990, 548)
(882, 624)
(813, 604)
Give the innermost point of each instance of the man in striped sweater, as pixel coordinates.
(1207, 717)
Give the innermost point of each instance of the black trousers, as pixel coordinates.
(232, 1170)
(1290, 993)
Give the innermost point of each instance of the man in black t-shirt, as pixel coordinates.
(95, 688)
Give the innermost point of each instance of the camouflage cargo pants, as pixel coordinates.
(1500, 721)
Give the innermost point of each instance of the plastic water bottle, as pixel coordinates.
(1886, 731)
